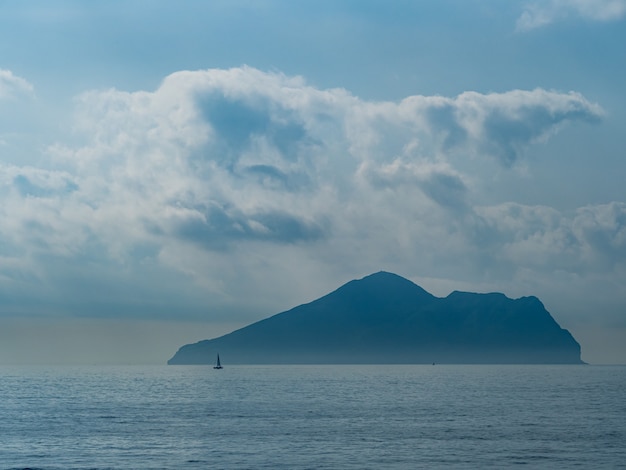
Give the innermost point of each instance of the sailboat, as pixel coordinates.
(218, 365)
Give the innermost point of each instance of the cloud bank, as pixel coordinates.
(220, 187)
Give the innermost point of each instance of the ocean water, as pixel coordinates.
(313, 417)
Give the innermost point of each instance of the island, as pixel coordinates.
(387, 319)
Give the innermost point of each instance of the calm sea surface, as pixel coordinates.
(292, 417)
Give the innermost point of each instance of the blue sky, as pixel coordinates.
(169, 172)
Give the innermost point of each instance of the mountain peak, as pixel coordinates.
(386, 284)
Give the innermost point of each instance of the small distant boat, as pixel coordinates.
(218, 364)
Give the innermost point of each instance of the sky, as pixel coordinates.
(171, 171)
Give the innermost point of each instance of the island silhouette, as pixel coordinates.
(387, 319)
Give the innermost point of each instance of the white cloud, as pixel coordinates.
(226, 185)
(11, 85)
(221, 156)
(538, 14)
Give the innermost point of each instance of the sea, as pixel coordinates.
(313, 417)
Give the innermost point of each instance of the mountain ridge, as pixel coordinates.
(385, 318)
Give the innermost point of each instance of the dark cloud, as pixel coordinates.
(287, 228)
(446, 189)
(287, 138)
(440, 183)
(217, 227)
(507, 134)
(271, 177)
(238, 121)
(502, 125)
(234, 120)
(443, 119)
